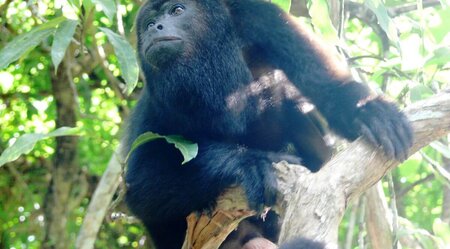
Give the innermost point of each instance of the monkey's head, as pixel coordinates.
(163, 31)
(168, 30)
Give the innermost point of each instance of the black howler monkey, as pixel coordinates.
(202, 60)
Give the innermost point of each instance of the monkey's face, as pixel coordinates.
(164, 30)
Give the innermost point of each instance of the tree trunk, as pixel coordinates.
(65, 166)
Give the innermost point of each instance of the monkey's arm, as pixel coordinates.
(349, 107)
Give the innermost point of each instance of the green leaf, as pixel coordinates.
(127, 58)
(65, 131)
(320, 18)
(25, 143)
(27, 41)
(441, 29)
(441, 56)
(284, 4)
(383, 18)
(22, 44)
(142, 139)
(63, 36)
(88, 5)
(52, 24)
(108, 7)
(420, 92)
(188, 149)
(75, 3)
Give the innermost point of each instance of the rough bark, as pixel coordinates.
(65, 166)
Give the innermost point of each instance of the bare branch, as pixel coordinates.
(99, 203)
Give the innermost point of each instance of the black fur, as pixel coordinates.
(202, 61)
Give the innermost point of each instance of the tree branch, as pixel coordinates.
(312, 205)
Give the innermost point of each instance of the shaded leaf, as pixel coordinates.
(88, 5)
(127, 58)
(75, 3)
(420, 92)
(383, 18)
(441, 56)
(63, 36)
(25, 143)
(142, 139)
(187, 148)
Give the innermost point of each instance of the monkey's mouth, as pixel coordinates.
(164, 39)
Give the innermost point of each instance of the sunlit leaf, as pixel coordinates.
(127, 58)
(441, 56)
(63, 36)
(187, 148)
(25, 143)
(442, 229)
(65, 131)
(441, 29)
(320, 18)
(284, 4)
(108, 7)
(23, 43)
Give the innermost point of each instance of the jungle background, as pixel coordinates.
(69, 78)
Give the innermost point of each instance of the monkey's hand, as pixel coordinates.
(258, 178)
(384, 125)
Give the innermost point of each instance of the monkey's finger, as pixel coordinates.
(383, 134)
(367, 133)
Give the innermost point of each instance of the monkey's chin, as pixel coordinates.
(163, 52)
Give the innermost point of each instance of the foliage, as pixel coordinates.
(404, 53)
(24, 144)
(188, 149)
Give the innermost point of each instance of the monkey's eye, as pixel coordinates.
(150, 24)
(176, 10)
